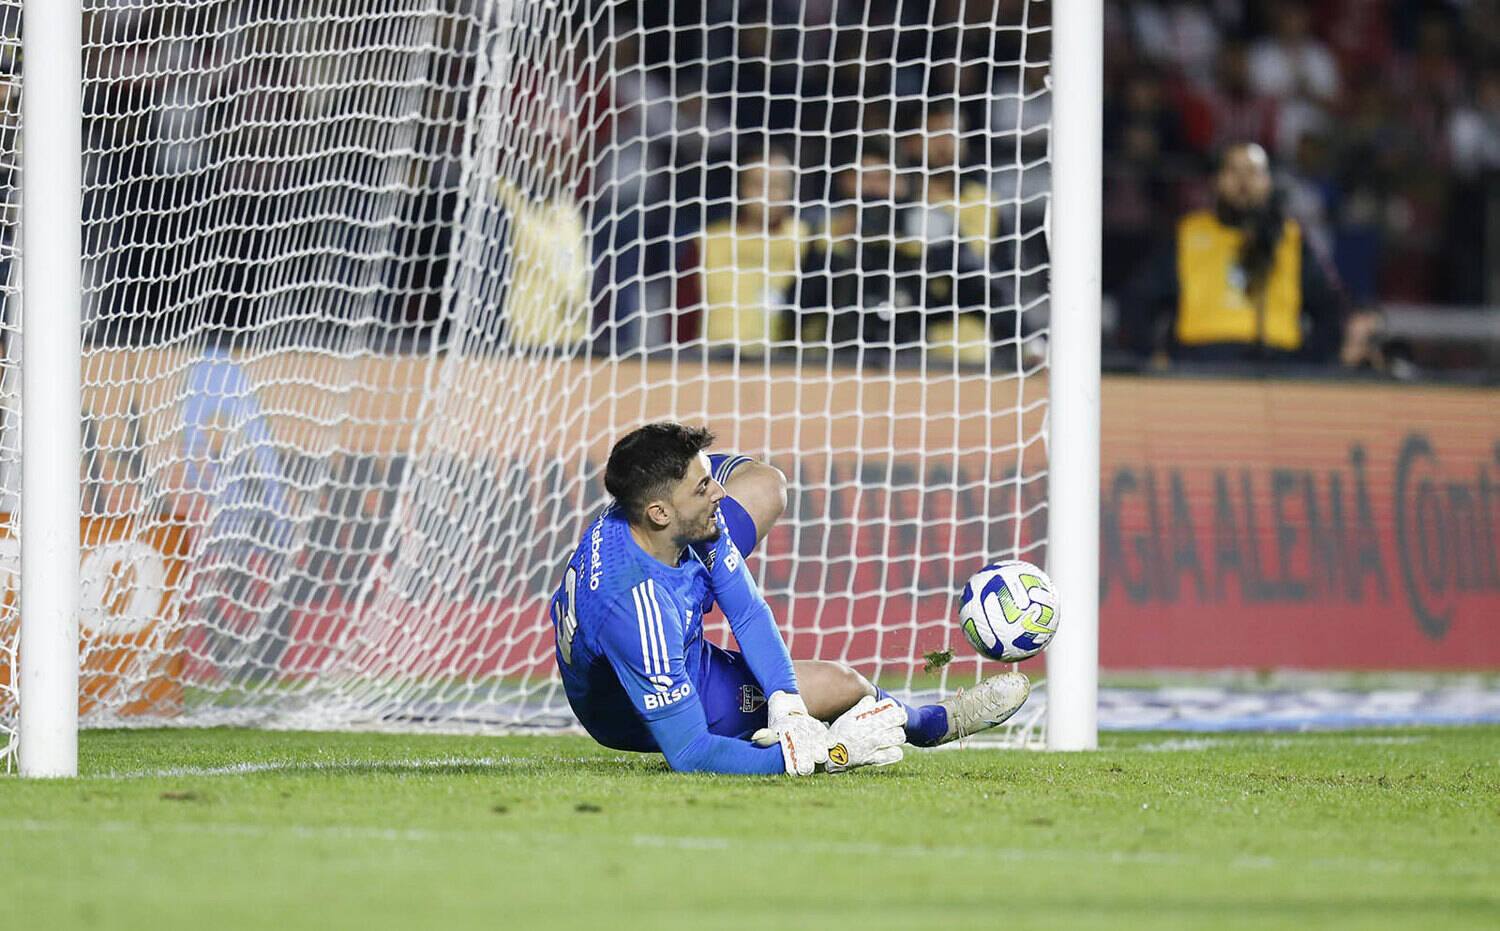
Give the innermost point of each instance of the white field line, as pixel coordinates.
(339, 766)
(691, 844)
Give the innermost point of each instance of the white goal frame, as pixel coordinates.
(51, 385)
(1073, 385)
(48, 679)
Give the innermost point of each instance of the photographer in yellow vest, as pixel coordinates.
(1238, 283)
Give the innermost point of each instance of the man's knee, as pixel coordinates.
(829, 688)
(760, 488)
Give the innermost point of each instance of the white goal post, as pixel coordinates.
(51, 381)
(352, 298)
(1077, 174)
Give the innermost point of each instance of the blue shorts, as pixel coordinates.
(733, 704)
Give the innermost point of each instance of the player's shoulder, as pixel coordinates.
(723, 465)
(1198, 221)
(611, 565)
(718, 235)
(973, 189)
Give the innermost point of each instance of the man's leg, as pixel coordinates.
(758, 493)
(736, 707)
(756, 498)
(830, 689)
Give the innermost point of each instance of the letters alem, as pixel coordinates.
(1283, 535)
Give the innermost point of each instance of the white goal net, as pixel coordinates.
(371, 286)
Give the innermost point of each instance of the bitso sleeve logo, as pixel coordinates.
(666, 696)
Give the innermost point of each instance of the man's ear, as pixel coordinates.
(657, 516)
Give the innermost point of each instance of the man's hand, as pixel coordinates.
(804, 739)
(869, 734)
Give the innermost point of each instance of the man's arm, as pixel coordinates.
(804, 739)
(750, 618)
(642, 639)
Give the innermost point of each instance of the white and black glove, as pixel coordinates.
(804, 739)
(869, 734)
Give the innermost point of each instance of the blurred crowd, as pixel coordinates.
(753, 172)
(832, 173)
(617, 147)
(1382, 119)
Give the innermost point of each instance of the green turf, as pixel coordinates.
(245, 829)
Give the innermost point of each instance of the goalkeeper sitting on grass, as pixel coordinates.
(630, 647)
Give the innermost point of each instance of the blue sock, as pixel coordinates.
(925, 725)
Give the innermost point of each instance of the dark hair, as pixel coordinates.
(1263, 227)
(1259, 251)
(646, 462)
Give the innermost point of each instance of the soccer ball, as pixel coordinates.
(1008, 611)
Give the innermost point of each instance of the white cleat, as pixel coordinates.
(986, 705)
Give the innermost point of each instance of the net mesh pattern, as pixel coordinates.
(371, 288)
(10, 358)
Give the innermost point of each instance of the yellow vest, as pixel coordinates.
(744, 275)
(1213, 305)
(978, 221)
(547, 303)
(975, 219)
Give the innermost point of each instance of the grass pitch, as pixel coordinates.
(248, 829)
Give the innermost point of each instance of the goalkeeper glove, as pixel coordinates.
(869, 734)
(803, 738)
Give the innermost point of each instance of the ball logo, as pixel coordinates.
(1012, 585)
(838, 754)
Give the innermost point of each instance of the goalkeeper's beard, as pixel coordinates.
(706, 534)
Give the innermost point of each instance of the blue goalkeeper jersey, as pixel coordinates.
(631, 652)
